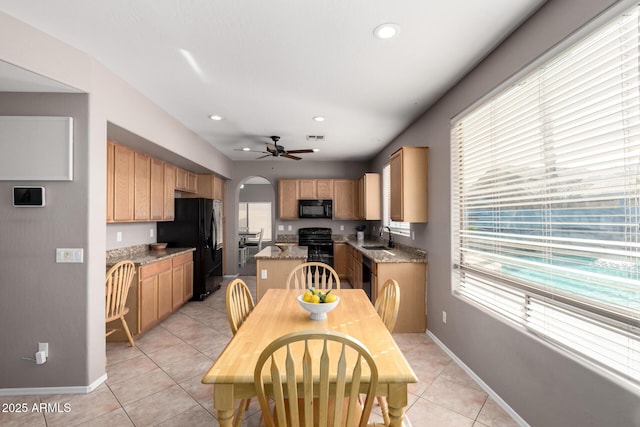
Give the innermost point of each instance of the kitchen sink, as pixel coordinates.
(374, 247)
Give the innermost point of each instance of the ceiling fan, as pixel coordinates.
(275, 150)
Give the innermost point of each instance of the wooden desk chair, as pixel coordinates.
(316, 274)
(239, 305)
(117, 283)
(334, 369)
(387, 305)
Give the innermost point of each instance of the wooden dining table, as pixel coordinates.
(279, 313)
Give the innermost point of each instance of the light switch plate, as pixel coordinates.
(263, 274)
(70, 255)
(280, 227)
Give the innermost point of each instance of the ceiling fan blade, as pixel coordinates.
(266, 155)
(300, 151)
(289, 156)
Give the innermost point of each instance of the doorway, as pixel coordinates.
(256, 209)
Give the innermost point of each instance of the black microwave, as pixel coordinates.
(315, 208)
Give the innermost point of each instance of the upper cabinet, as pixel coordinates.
(315, 189)
(369, 197)
(288, 191)
(141, 188)
(409, 184)
(345, 200)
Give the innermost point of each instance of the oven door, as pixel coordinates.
(320, 252)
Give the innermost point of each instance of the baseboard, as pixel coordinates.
(230, 276)
(481, 383)
(53, 390)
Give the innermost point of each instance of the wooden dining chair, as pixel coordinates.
(387, 306)
(316, 274)
(117, 283)
(239, 305)
(315, 378)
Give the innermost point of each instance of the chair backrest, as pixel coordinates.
(260, 238)
(388, 303)
(239, 304)
(117, 283)
(334, 369)
(316, 274)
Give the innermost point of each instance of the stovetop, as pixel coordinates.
(314, 234)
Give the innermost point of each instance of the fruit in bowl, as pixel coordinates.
(317, 303)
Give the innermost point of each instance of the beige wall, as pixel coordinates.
(78, 301)
(543, 386)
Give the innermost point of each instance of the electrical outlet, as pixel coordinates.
(342, 228)
(151, 232)
(119, 236)
(280, 227)
(263, 273)
(413, 235)
(290, 228)
(444, 316)
(40, 357)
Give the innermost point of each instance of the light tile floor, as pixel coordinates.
(157, 383)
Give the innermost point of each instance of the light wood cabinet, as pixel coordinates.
(154, 293)
(345, 200)
(412, 278)
(123, 183)
(186, 181)
(169, 191)
(142, 187)
(315, 189)
(157, 190)
(110, 179)
(409, 184)
(288, 199)
(182, 287)
(209, 186)
(341, 258)
(369, 197)
(355, 268)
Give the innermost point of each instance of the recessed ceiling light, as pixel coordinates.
(215, 117)
(386, 31)
(318, 119)
(315, 150)
(246, 149)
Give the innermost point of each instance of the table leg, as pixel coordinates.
(223, 402)
(397, 401)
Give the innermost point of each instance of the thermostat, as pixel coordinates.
(25, 197)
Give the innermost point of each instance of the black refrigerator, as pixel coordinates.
(198, 224)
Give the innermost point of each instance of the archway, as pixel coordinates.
(256, 214)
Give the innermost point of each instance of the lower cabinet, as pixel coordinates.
(158, 290)
(341, 260)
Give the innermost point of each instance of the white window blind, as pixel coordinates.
(546, 196)
(396, 227)
(255, 216)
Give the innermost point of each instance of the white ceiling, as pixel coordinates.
(269, 67)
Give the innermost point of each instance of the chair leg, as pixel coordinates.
(242, 407)
(126, 330)
(384, 408)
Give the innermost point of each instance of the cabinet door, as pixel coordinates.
(307, 189)
(370, 197)
(157, 190)
(177, 290)
(341, 259)
(110, 172)
(288, 199)
(181, 179)
(396, 206)
(324, 188)
(165, 294)
(142, 187)
(345, 202)
(169, 189)
(123, 188)
(192, 182)
(218, 188)
(147, 302)
(188, 281)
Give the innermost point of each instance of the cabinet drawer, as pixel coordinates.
(182, 259)
(155, 268)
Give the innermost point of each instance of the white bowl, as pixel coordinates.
(318, 311)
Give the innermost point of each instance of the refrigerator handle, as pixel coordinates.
(203, 229)
(214, 231)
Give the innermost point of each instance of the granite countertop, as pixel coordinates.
(273, 252)
(141, 254)
(399, 253)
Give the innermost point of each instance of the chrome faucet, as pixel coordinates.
(390, 244)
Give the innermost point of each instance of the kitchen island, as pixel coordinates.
(273, 265)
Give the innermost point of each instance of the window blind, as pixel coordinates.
(396, 227)
(546, 199)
